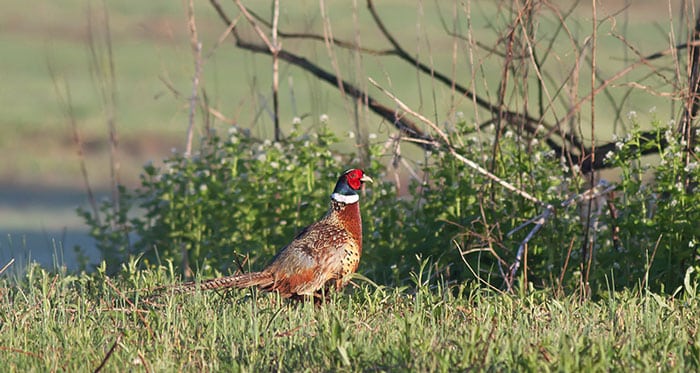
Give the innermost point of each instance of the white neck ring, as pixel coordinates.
(353, 198)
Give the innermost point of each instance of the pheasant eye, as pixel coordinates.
(355, 174)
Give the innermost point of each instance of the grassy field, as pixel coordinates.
(78, 323)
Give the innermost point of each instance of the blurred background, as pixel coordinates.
(75, 67)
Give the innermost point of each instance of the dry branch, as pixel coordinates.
(446, 144)
(402, 124)
(568, 146)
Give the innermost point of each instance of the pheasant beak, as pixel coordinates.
(366, 179)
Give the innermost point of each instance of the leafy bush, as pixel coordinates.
(238, 195)
(658, 220)
(241, 196)
(459, 216)
(456, 210)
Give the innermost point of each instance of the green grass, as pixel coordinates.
(60, 322)
(72, 322)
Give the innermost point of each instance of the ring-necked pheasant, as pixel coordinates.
(322, 255)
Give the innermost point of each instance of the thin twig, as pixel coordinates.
(146, 366)
(66, 103)
(23, 352)
(566, 265)
(476, 275)
(338, 42)
(275, 69)
(519, 255)
(109, 353)
(601, 189)
(6, 266)
(197, 54)
(130, 303)
(270, 46)
(645, 280)
(589, 234)
(446, 144)
(105, 78)
(615, 231)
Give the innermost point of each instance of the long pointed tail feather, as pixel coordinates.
(236, 281)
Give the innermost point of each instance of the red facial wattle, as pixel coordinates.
(354, 179)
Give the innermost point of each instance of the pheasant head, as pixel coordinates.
(347, 186)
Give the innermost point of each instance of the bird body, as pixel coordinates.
(324, 254)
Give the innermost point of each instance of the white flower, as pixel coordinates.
(609, 155)
(351, 135)
(203, 188)
(372, 136)
(274, 164)
(323, 118)
(296, 120)
(632, 115)
(619, 145)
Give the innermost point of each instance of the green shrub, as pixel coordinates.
(237, 195)
(659, 220)
(457, 210)
(241, 196)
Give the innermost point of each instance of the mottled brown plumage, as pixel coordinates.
(324, 254)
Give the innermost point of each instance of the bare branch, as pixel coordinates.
(446, 144)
